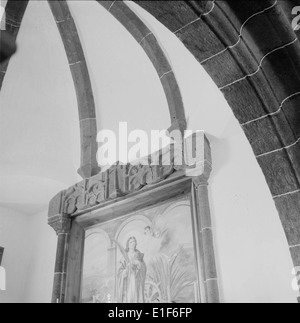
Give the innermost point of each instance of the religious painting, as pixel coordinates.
(145, 257)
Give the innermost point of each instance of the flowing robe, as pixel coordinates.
(131, 278)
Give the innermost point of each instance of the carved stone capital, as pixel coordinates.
(61, 223)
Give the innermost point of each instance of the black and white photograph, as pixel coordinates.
(150, 154)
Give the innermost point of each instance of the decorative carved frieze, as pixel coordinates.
(75, 197)
(121, 180)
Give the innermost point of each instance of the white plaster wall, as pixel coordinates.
(13, 237)
(39, 136)
(39, 281)
(29, 257)
(40, 153)
(125, 83)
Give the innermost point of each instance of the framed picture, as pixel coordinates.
(1, 254)
(136, 234)
(144, 257)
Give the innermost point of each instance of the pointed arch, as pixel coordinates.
(149, 43)
(83, 87)
(252, 53)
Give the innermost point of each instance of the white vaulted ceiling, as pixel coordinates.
(39, 124)
(38, 117)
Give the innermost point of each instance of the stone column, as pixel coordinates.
(200, 173)
(61, 223)
(206, 237)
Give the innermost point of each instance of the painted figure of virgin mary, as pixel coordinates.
(131, 274)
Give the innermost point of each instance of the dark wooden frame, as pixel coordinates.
(160, 192)
(109, 195)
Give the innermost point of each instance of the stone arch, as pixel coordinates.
(83, 87)
(80, 74)
(15, 11)
(252, 53)
(149, 43)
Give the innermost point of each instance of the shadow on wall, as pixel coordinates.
(220, 153)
